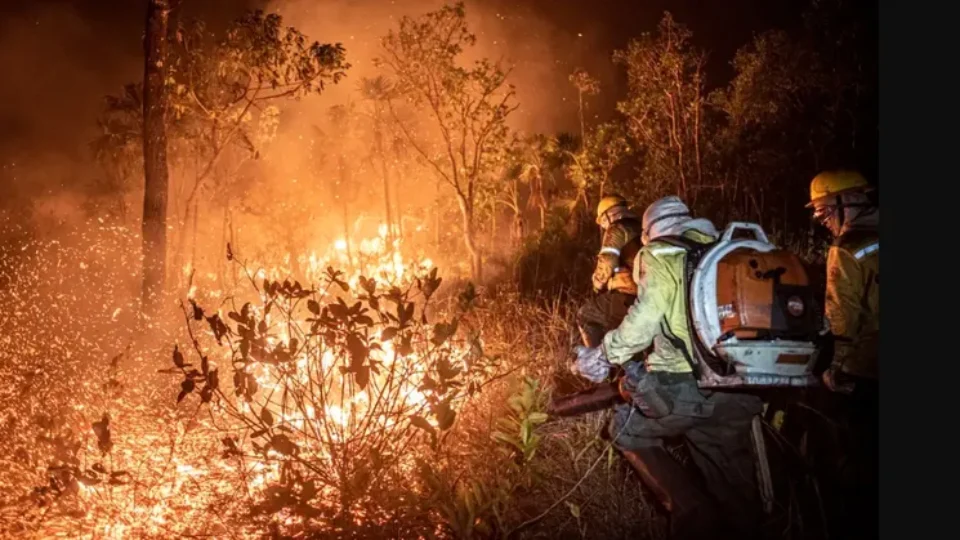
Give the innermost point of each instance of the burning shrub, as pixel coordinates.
(326, 396)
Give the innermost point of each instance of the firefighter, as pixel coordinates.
(612, 281)
(840, 202)
(665, 399)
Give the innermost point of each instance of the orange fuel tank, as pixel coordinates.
(764, 295)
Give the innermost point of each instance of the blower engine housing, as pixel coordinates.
(753, 312)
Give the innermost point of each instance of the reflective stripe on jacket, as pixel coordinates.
(619, 247)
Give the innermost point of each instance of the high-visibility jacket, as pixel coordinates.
(853, 300)
(619, 247)
(659, 315)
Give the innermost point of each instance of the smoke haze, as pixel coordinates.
(59, 58)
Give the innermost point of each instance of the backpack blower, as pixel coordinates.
(754, 316)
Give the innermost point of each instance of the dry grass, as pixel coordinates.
(608, 500)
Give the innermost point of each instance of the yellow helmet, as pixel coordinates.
(607, 203)
(831, 183)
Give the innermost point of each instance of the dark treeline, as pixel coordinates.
(801, 100)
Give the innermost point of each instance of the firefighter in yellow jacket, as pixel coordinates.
(653, 345)
(840, 202)
(612, 275)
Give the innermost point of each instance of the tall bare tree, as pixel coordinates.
(586, 86)
(377, 91)
(467, 107)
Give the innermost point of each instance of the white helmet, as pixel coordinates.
(670, 216)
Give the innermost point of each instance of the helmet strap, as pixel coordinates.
(841, 210)
(661, 218)
(604, 220)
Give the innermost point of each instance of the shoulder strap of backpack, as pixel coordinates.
(678, 241)
(694, 252)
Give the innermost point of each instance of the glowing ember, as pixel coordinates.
(158, 480)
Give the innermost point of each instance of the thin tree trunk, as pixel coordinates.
(193, 240)
(436, 221)
(493, 224)
(675, 136)
(396, 200)
(541, 198)
(221, 261)
(583, 128)
(234, 240)
(156, 174)
(344, 182)
(378, 136)
(517, 214)
(179, 253)
(517, 229)
(469, 239)
(346, 230)
(696, 128)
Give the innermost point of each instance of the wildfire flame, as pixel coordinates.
(185, 483)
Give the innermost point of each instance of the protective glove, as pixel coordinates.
(824, 326)
(599, 283)
(836, 381)
(591, 364)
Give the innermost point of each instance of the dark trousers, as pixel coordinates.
(859, 477)
(601, 313)
(725, 494)
(835, 440)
